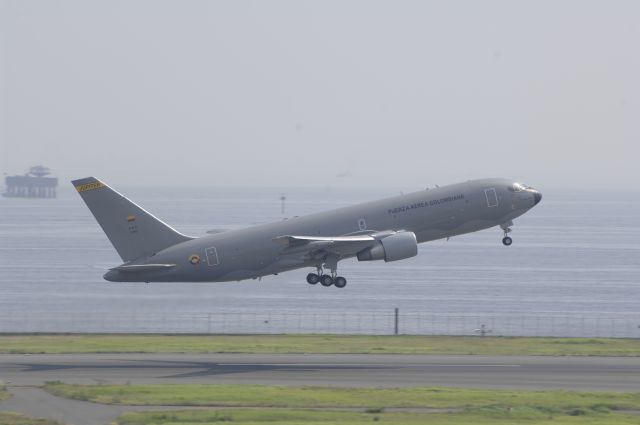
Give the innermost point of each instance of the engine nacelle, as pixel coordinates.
(392, 248)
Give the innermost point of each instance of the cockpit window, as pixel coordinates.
(518, 187)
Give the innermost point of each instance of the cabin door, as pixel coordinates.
(492, 197)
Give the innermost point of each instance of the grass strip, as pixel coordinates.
(490, 416)
(4, 394)
(8, 418)
(320, 344)
(328, 397)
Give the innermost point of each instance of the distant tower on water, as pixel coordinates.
(283, 198)
(34, 184)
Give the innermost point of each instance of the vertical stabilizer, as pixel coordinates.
(133, 232)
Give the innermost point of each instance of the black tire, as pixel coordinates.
(313, 278)
(507, 241)
(340, 282)
(326, 280)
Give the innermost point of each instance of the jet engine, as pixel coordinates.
(394, 247)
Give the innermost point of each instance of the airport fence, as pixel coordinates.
(388, 322)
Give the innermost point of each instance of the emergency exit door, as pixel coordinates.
(212, 256)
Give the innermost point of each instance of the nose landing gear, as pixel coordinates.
(506, 240)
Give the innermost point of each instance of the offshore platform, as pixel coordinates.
(34, 184)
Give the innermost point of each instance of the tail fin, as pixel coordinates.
(133, 232)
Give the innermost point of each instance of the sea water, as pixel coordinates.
(572, 270)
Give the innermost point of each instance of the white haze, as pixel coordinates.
(308, 93)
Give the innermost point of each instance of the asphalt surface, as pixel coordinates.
(22, 373)
(577, 373)
(37, 403)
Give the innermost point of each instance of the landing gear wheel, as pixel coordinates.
(313, 278)
(506, 227)
(326, 280)
(340, 282)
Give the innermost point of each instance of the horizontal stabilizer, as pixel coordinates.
(135, 268)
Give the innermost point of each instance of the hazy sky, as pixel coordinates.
(297, 93)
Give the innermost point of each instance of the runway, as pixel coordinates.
(346, 370)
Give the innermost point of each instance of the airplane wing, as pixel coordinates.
(302, 240)
(314, 245)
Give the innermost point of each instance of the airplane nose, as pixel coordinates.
(537, 196)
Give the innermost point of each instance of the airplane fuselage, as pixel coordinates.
(254, 252)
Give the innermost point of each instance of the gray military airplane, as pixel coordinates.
(389, 229)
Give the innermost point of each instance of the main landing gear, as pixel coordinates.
(326, 280)
(506, 240)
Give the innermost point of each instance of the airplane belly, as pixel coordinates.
(245, 258)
